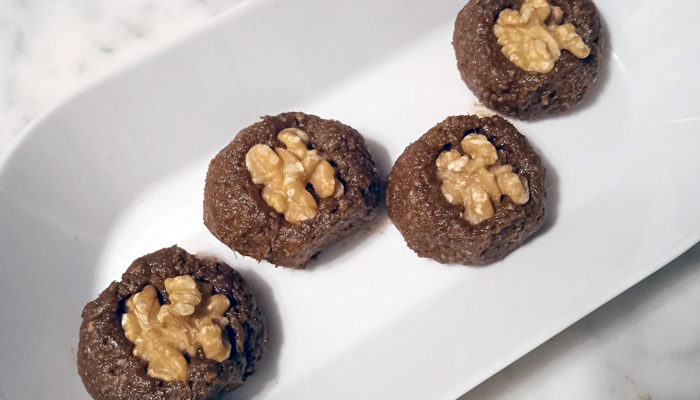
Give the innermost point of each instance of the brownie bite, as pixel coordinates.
(288, 186)
(174, 327)
(529, 58)
(469, 191)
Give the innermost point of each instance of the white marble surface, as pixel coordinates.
(645, 344)
(51, 48)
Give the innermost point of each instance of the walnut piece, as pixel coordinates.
(163, 333)
(529, 43)
(286, 172)
(477, 180)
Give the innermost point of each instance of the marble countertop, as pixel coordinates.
(645, 344)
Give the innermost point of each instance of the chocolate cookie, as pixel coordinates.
(288, 186)
(529, 75)
(141, 317)
(469, 191)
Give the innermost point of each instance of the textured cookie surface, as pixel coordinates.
(501, 85)
(235, 212)
(106, 363)
(433, 227)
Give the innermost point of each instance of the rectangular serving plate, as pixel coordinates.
(118, 171)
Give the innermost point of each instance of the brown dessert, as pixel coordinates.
(288, 186)
(529, 58)
(469, 191)
(174, 327)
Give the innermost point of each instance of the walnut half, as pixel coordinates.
(163, 333)
(477, 180)
(529, 43)
(286, 172)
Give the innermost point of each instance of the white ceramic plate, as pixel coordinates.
(118, 171)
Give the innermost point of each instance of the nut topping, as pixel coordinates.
(286, 173)
(163, 333)
(529, 43)
(477, 180)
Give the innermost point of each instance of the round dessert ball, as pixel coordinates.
(288, 186)
(106, 360)
(532, 89)
(443, 186)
